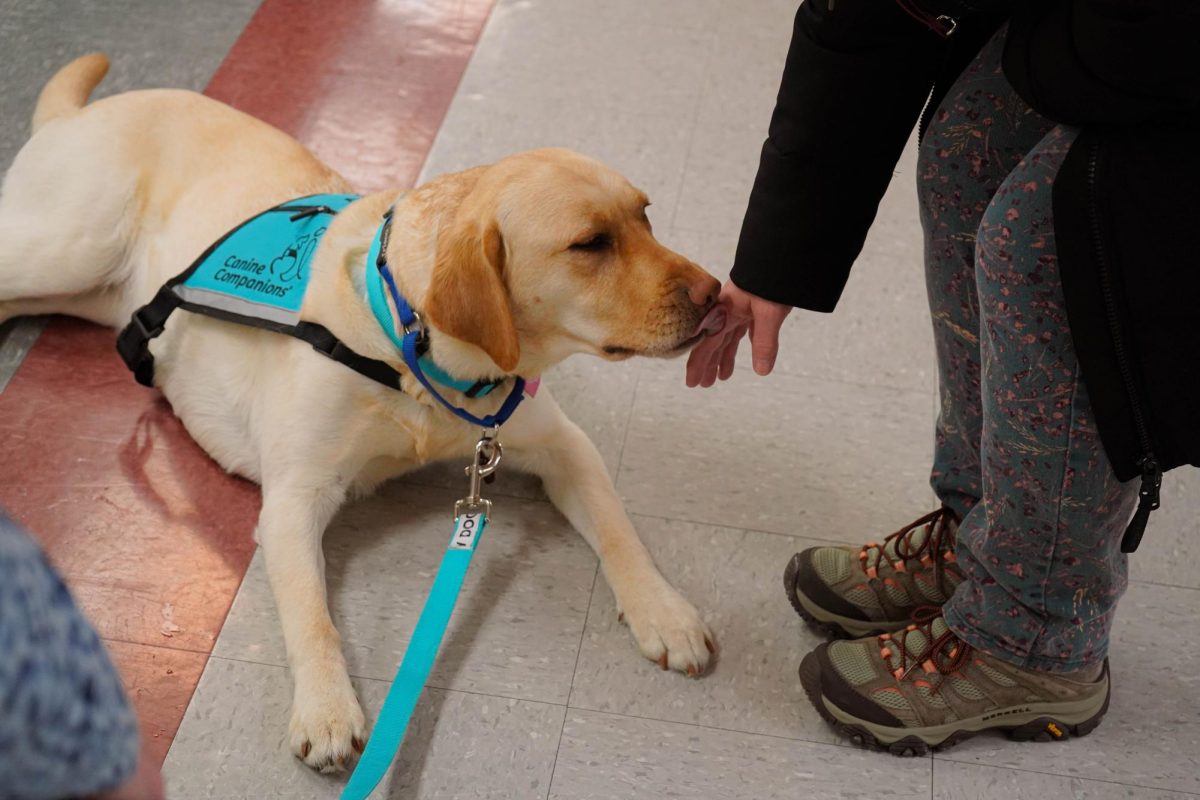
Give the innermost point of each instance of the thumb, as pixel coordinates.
(764, 338)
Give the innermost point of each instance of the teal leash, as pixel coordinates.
(470, 519)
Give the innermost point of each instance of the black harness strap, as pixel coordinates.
(149, 321)
(325, 343)
(133, 343)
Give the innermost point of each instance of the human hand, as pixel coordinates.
(145, 784)
(745, 312)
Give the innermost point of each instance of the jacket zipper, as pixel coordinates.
(1149, 496)
(926, 113)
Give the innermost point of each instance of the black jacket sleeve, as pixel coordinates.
(853, 86)
(1113, 62)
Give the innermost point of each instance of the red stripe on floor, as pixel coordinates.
(365, 87)
(151, 535)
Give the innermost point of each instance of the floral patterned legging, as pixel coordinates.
(1017, 454)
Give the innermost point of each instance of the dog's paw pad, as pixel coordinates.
(670, 632)
(327, 732)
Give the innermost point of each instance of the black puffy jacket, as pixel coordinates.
(1126, 202)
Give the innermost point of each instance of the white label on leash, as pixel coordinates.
(466, 528)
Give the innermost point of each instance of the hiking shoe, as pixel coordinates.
(852, 592)
(922, 688)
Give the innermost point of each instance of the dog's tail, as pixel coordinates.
(69, 89)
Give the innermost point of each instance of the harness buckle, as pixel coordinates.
(146, 330)
(133, 342)
(488, 453)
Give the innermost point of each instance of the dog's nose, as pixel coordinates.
(705, 291)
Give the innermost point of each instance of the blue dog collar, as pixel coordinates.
(380, 283)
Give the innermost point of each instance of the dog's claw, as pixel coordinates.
(620, 616)
(662, 661)
(692, 671)
(712, 648)
(358, 744)
(305, 749)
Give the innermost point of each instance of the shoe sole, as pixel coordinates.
(833, 625)
(1057, 725)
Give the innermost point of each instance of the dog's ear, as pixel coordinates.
(467, 297)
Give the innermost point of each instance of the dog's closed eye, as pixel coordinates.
(595, 244)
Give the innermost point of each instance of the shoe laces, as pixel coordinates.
(942, 654)
(935, 549)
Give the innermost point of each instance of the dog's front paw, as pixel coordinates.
(327, 727)
(669, 631)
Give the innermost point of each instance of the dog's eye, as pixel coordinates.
(601, 241)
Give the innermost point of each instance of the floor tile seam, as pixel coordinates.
(176, 649)
(578, 653)
(637, 382)
(950, 760)
(1163, 584)
(726, 527)
(489, 492)
(719, 728)
(491, 695)
(390, 681)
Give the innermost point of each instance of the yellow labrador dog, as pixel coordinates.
(514, 266)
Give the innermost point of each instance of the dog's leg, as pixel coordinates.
(327, 723)
(666, 627)
(100, 306)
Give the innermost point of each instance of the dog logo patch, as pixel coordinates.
(261, 269)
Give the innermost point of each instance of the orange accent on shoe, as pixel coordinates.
(949, 556)
(887, 637)
(890, 690)
(929, 666)
(899, 567)
(898, 674)
(912, 627)
(872, 572)
(886, 653)
(926, 684)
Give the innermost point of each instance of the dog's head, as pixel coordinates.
(549, 253)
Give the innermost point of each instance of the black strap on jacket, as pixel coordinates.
(133, 343)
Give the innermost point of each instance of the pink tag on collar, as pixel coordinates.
(531, 386)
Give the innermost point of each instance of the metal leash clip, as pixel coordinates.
(488, 453)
